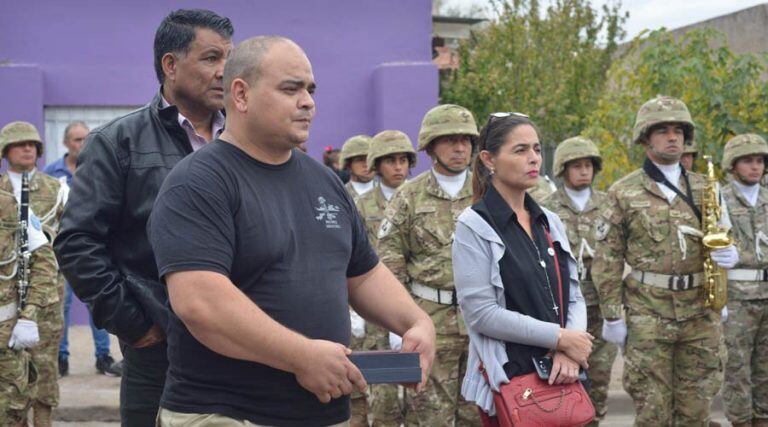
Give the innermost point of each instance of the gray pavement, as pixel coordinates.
(92, 400)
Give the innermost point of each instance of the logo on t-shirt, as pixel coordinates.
(328, 213)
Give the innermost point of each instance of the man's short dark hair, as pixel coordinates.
(177, 31)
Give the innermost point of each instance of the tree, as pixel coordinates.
(443, 8)
(727, 94)
(551, 66)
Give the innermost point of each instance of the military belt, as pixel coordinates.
(440, 296)
(7, 311)
(748, 275)
(672, 282)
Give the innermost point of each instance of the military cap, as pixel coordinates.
(575, 148)
(15, 132)
(663, 109)
(390, 142)
(743, 145)
(448, 119)
(357, 145)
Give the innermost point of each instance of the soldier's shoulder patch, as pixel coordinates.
(384, 229)
(602, 227)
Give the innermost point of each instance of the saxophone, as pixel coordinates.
(715, 237)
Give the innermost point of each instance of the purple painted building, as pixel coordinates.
(91, 60)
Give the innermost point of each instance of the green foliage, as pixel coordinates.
(549, 65)
(726, 94)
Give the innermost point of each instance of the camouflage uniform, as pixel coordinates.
(415, 243)
(673, 366)
(371, 205)
(544, 187)
(46, 200)
(17, 371)
(355, 146)
(579, 227)
(746, 331)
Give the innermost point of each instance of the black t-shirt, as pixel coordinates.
(528, 288)
(288, 236)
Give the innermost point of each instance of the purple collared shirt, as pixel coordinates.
(195, 139)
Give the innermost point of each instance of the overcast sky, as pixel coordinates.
(654, 14)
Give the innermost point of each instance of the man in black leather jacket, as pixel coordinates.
(103, 249)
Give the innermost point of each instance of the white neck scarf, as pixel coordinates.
(750, 192)
(451, 184)
(362, 187)
(672, 173)
(578, 197)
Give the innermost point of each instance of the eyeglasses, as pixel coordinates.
(500, 115)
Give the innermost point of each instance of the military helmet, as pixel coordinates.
(691, 149)
(574, 148)
(662, 109)
(358, 145)
(19, 132)
(448, 119)
(743, 145)
(390, 142)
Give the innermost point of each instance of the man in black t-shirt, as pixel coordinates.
(262, 250)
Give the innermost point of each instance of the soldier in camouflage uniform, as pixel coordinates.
(415, 243)
(673, 365)
(391, 157)
(577, 161)
(746, 331)
(17, 370)
(46, 198)
(690, 153)
(544, 187)
(353, 159)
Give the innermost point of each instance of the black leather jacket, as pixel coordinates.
(102, 247)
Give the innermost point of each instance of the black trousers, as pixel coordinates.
(142, 384)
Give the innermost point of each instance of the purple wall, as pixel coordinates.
(371, 58)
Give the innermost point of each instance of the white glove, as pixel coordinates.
(358, 324)
(726, 257)
(395, 341)
(24, 335)
(724, 314)
(615, 331)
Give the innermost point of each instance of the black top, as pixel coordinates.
(288, 236)
(102, 245)
(525, 281)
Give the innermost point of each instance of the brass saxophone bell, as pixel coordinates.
(717, 240)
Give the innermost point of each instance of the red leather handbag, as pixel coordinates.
(529, 401)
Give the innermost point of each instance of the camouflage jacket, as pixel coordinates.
(46, 199)
(579, 226)
(351, 190)
(544, 187)
(415, 240)
(371, 206)
(640, 227)
(42, 290)
(750, 234)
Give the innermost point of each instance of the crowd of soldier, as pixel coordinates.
(671, 342)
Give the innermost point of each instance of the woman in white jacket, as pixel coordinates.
(509, 294)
